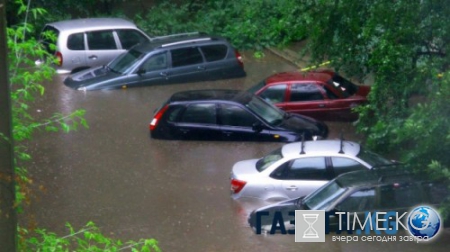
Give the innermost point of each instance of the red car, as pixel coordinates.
(323, 95)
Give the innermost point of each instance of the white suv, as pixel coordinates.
(84, 43)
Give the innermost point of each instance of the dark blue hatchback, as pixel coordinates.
(230, 115)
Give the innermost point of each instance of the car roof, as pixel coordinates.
(87, 24)
(321, 148)
(210, 95)
(320, 75)
(177, 39)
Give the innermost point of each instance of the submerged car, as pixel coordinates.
(175, 58)
(89, 42)
(230, 115)
(322, 94)
(297, 169)
(358, 193)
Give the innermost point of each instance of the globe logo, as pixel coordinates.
(424, 221)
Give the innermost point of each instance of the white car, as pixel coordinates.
(299, 168)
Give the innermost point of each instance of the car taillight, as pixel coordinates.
(59, 58)
(237, 185)
(157, 116)
(239, 58)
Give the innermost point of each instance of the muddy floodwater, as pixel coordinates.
(177, 192)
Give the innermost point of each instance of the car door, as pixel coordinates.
(300, 176)
(275, 94)
(75, 56)
(101, 47)
(150, 71)
(357, 202)
(307, 99)
(237, 123)
(187, 65)
(217, 66)
(198, 122)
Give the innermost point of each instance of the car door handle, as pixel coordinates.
(227, 133)
(321, 105)
(184, 131)
(201, 67)
(164, 74)
(93, 57)
(292, 188)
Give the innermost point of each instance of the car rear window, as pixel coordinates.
(214, 52)
(269, 159)
(76, 42)
(48, 36)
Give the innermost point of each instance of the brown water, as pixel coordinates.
(135, 187)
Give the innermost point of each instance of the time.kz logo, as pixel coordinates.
(424, 221)
(423, 224)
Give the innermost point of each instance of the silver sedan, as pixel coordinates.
(297, 169)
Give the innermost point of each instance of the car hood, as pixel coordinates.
(244, 168)
(304, 124)
(93, 78)
(267, 212)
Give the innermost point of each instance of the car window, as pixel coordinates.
(435, 192)
(126, 61)
(174, 114)
(323, 197)
(232, 115)
(199, 113)
(269, 159)
(129, 38)
(400, 195)
(305, 92)
(101, 40)
(76, 42)
(271, 114)
(372, 158)
(330, 93)
(214, 52)
(155, 62)
(346, 86)
(312, 168)
(363, 200)
(186, 57)
(274, 94)
(343, 165)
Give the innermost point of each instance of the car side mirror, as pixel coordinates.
(141, 71)
(257, 127)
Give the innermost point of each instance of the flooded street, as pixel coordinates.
(177, 192)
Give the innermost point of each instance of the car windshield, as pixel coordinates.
(269, 159)
(269, 113)
(372, 158)
(124, 63)
(323, 197)
(257, 87)
(346, 87)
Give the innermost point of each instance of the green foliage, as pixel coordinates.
(249, 24)
(404, 45)
(25, 80)
(87, 239)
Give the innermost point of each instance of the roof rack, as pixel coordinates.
(341, 148)
(186, 42)
(177, 35)
(302, 145)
